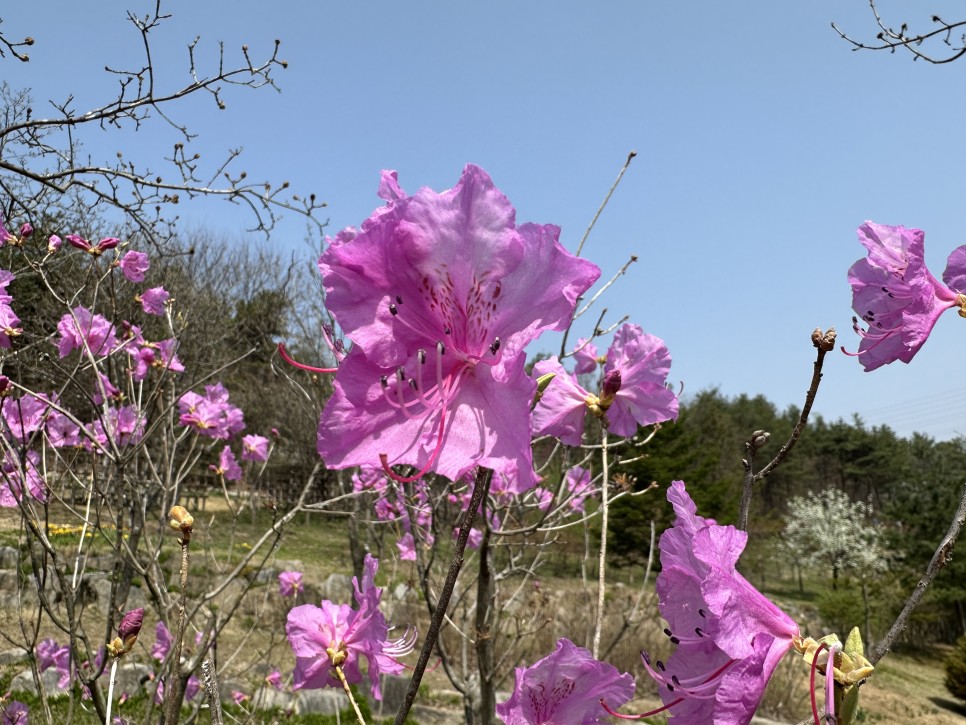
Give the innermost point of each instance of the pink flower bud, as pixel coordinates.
(26, 230)
(53, 244)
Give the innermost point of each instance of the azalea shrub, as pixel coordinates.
(454, 455)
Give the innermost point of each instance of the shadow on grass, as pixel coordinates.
(953, 706)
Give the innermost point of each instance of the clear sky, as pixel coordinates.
(763, 142)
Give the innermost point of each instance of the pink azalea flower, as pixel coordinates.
(544, 498)
(896, 295)
(62, 432)
(15, 472)
(153, 300)
(211, 414)
(440, 294)
(110, 390)
(729, 637)
(274, 679)
(254, 448)
(319, 634)
(15, 713)
(578, 486)
(162, 641)
(191, 688)
(406, 547)
(228, 466)
(50, 654)
(82, 330)
(632, 393)
(134, 265)
(289, 583)
(95, 250)
(585, 355)
(239, 697)
(9, 325)
(124, 426)
(565, 688)
(25, 415)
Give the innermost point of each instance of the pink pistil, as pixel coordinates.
(301, 366)
(811, 682)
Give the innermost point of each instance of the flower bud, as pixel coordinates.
(130, 627)
(610, 386)
(824, 341)
(180, 520)
(26, 230)
(53, 244)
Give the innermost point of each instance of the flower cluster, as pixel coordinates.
(335, 635)
(440, 294)
(632, 392)
(897, 296)
(211, 414)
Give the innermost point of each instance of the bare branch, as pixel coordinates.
(891, 38)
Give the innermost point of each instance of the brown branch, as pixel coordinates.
(889, 38)
(823, 342)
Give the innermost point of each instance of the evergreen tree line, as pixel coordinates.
(912, 485)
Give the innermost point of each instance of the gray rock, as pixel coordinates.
(9, 557)
(268, 698)
(24, 682)
(327, 701)
(129, 677)
(338, 588)
(393, 693)
(13, 656)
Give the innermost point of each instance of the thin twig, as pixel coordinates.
(823, 342)
(210, 681)
(602, 567)
(481, 487)
(603, 204)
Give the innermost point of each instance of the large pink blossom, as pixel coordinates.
(440, 293)
(896, 295)
(82, 329)
(632, 391)
(135, 265)
(335, 634)
(565, 688)
(729, 637)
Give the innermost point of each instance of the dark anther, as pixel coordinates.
(668, 632)
(675, 640)
(495, 345)
(703, 614)
(393, 310)
(421, 356)
(447, 331)
(697, 631)
(675, 680)
(398, 300)
(670, 686)
(401, 374)
(441, 348)
(646, 657)
(384, 381)
(412, 384)
(660, 666)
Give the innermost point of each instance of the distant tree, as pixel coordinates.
(828, 531)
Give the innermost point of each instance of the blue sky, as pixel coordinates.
(763, 142)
